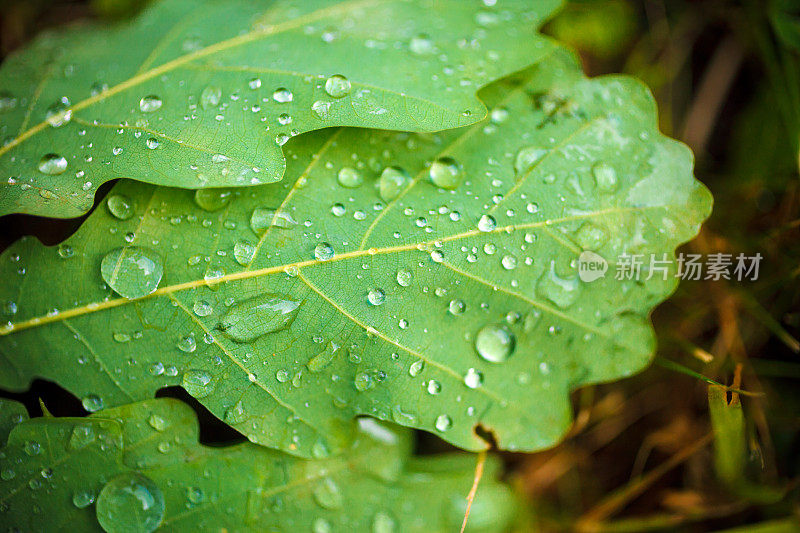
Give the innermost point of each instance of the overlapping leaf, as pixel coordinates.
(52, 471)
(203, 93)
(388, 325)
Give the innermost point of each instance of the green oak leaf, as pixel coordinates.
(290, 309)
(204, 93)
(58, 474)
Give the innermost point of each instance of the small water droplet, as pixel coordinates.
(212, 199)
(82, 499)
(457, 307)
(210, 97)
(323, 252)
(187, 344)
(415, 368)
(473, 378)
(337, 86)
(282, 95)
(487, 223)
(404, 277)
(421, 44)
(150, 103)
(120, 206)
(376, 296)
(443, 423)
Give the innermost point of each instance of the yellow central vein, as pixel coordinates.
(221, 46)
(249, 274)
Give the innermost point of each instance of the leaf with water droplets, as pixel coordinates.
(441, 308)
(127, 480)
(177, 98)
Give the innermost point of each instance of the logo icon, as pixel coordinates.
(591, 266)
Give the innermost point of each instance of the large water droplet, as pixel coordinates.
(52, 164)
(210, 97)
(130, 503)
(59, 113)
(404, 277)
(150, 103)
(487, 223)
(132, 272)
(198, 383)
(92, 403)
(392, 182)
(443, 423)
(605, 176)
(243, 252)
(265, 217)
(495, 343)
(337, 86)
(350, 178)
(446, 173)
(328, 494)
(323, 252)
(527, 157)
(561, 291)
(250, 319)
(282, 95)
(212, 199)
(376, 296)
(120, 206)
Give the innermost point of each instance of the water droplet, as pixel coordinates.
(337, 86)
(32, 448)
(157, 422)
(235, 414)
(376, 296)
(82, 499)
(415, 368)
(132, 272)
(284, 119)
(7, 102)
(65, 251)
(443, 422)
(324, 252)
(434, 387)
(363, 381)
(404, 277)
(195, 496)
(328, 494)
(59, 113)
(383, 523)
(446, 173)
(499, 114)
(52, 164)
(266, 217)
(487, 223)
(92, 403)
(198, 383)
(457, 307)
(202, 308)
(120, 206)
(82, 435)
(150, 103)
(473, 378)
(250, 319)
(392, 182)
(187, 344)
(605, 176)
(282, 95)
(130, 503)
(509, 262)
(210, 97)
(527, 157)
(243, 252)
(437, 256)
(321, 525)
(212, 199)
(350, 178)
(561, 291)
(421, 44)
(495, 343)
(255, 83)
(321, 109)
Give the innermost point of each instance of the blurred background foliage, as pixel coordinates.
(708, 439)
